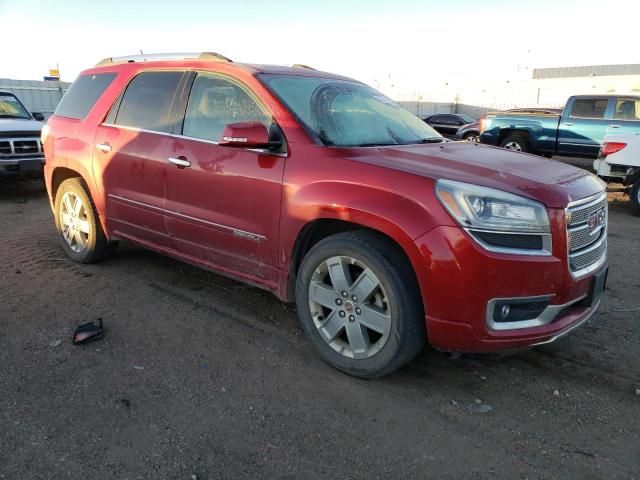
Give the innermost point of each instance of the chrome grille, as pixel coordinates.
(581, 238)
(586, 259)
(28, 146)
(587, 250)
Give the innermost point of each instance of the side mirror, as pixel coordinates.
(37, 116)
(247, 135)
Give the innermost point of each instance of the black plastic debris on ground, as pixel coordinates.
(88, 332)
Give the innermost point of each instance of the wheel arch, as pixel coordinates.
(62, 173)
(325, 208)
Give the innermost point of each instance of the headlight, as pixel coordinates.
(498, 220)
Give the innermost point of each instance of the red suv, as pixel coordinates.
(326, 192)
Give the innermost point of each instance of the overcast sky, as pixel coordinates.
(418, 44)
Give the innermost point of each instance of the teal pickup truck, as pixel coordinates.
(577, 131)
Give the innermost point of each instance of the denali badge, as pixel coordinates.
(596, 220)
(248, 236)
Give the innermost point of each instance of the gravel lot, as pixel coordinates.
(202, 377)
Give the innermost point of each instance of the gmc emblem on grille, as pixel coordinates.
(597, 219)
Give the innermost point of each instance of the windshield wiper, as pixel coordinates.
(7, 115)
(430, 140)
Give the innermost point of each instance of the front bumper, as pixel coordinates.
(464, 279)
(21, 165)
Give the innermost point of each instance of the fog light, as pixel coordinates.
(518, 310)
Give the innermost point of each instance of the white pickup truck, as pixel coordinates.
(619, 161)
(20, 147)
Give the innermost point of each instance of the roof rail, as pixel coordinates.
(163, 56)
(300, 65)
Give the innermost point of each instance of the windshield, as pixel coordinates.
(348, 114)
(11, 107)
(467, 118)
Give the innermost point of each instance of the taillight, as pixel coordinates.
(485, 123)
(609, 148)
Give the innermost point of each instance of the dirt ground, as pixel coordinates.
(202, 377)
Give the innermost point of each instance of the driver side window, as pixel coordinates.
(216, 102)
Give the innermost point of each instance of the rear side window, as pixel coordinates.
(627, 109)
(83, 95)
(147, 101)
(589, 108)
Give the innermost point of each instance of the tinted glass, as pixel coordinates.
(11, 107)
(627, 109)
(147, 101)
(589, 108)
(83, 95)
(216, 102)
(467, 118)
(348, 113)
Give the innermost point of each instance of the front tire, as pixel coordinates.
(635, 197)
(516, 143)
(359, 304)
(471, 137)
(79, 229)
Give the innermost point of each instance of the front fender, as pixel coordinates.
(391, 213)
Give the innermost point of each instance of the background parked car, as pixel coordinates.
(619, 161)
(471, 131)
(577, 132)
(449, 124)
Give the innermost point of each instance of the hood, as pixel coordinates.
(553, 183)
(18, 125)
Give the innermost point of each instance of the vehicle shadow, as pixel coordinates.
(21, 189)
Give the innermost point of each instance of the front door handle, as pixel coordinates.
(180, 162)
(614, 126)
(104, 147)
(569, 124)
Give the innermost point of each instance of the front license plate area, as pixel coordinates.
(598, 284)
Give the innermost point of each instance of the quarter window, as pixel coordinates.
(627, 109)
(146, 103)
(216, 102)
(83, 95)
(589, 108)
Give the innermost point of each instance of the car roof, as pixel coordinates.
(208, 61)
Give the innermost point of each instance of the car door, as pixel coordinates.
(626, 116)
(446, 125)
(132, 147)
(583, 126)
(223, 203)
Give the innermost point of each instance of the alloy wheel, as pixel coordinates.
(515, 146)
(74, 222)
(350, 307)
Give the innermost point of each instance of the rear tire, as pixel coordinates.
(516, 143)
(359, 304)
(77, 223)
(635, 197)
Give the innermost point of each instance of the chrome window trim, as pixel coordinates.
(236, 231)
(546, 317)
(264, 151)
(547, 242)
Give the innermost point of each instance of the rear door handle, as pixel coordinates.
(180, 162)
(614, 126)
(104, 147)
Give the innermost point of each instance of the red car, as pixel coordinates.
(326, 192)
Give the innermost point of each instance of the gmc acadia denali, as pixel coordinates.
(326, 192)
